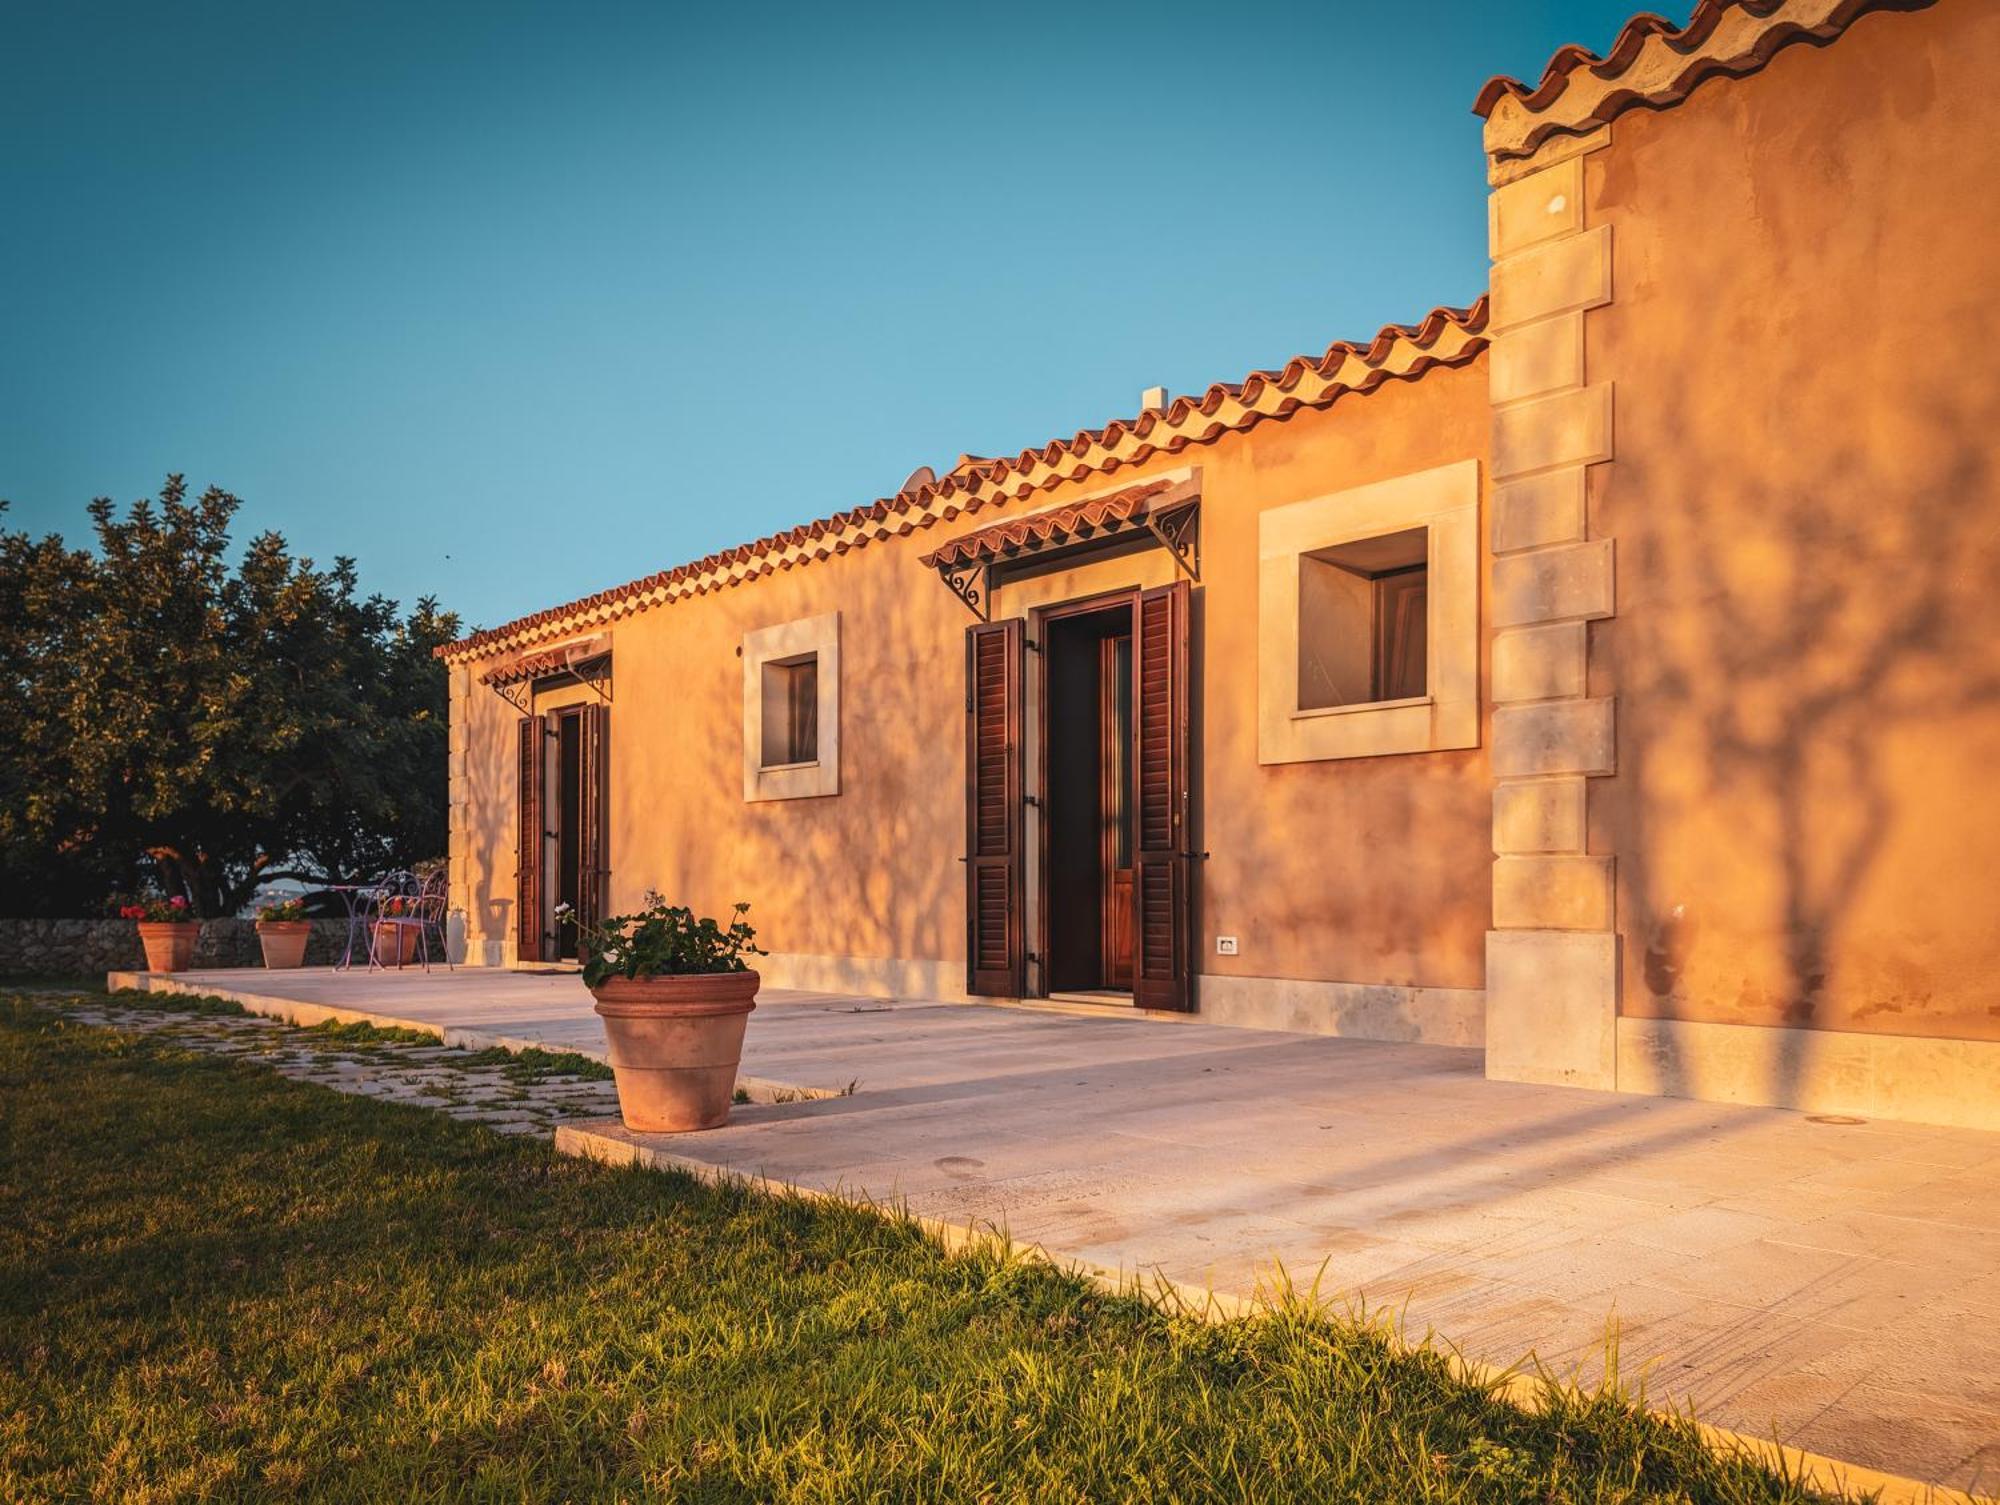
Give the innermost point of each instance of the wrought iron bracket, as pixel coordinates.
(972, 583)
(596, 673)
(593, 672)
(1180, 531)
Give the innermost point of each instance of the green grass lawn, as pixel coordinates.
(218, 1284)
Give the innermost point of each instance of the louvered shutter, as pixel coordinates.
(995, 931)
(593, 795)
(528, 844)
(1162, 906)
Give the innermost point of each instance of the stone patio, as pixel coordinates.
(1835, 1285)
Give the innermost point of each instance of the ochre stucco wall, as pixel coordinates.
(1369, 871)
(1803, 339)
(1360, 869)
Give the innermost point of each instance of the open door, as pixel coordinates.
(996, 952)
(529, 841)
(1162, 880)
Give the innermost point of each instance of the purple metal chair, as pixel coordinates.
(418, 913)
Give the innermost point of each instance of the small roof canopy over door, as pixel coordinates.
(1168, 509)
(586, 660)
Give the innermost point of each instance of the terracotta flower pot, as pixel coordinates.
(675, 1044)
(169, 944)
(284, 942)
(395, 945)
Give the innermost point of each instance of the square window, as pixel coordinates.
(791, 712)
(791, 709)
(1364, 621)
(1368, 619)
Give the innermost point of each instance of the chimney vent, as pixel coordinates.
(1152, 399)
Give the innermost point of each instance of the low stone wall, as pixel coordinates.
(90, 948)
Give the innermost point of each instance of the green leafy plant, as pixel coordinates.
(276, 910)
(155, 909)
(662, 940)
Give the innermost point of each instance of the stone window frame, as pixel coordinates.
(1444, 501)
(817, 637)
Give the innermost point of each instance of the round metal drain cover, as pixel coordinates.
(1834, 1118)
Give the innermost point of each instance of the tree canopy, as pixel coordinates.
(204, 724)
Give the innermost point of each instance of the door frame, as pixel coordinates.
(1039, 619)
(549, 706)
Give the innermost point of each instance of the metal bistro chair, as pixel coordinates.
(421, 911)
(378, 904)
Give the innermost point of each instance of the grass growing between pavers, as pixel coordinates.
(534, 1065)
(216, 1283)
(527, 1067)
(175, 1003)
(361, 1032)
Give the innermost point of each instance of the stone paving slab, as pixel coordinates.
(1829, 1284)
(438, 1077)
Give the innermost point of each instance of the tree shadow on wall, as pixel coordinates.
(1783, 631)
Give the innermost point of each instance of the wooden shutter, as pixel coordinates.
(1161, 881)
(996, 952)
(528, 844)
(593, 866)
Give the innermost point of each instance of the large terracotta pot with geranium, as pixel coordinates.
(675, 994)
(167, 929)
(282, 932)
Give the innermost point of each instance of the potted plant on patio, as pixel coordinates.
(282, 930)
(394, 945)
(167, 929)
(674, 993)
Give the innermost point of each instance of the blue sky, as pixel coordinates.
(515, 302)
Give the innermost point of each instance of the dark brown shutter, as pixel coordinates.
(1161, 893)
(996, 960)
(593, 867)
(528, 845)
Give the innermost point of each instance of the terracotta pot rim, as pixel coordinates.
(666, 1008)
(267, 927)
(168, 924)
(685, 994)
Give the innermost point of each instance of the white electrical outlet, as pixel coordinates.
(1225, 945)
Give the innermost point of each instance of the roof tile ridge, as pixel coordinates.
(1623, 52)
(1668, 63)
(984, 484)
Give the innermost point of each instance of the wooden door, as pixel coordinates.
(1115, 740)
(996, 952)
(1162, 898)
(528, 840)
(593, 797)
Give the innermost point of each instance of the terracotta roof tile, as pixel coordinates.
(1655, 63)
(534, 666)
(565, 658)
(1444, 337)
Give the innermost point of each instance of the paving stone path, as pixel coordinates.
(526, 1094)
